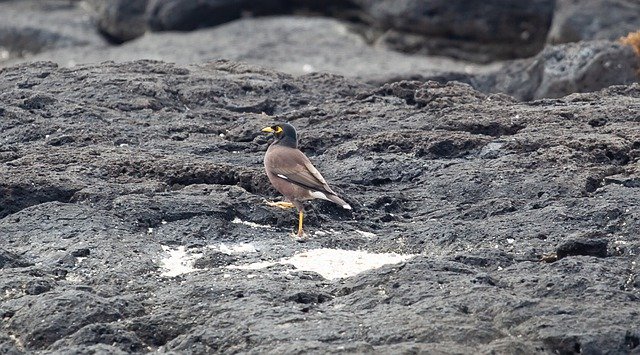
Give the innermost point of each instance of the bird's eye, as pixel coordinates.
(277, 129)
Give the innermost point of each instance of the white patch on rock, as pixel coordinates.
(73, 278)
(333, 263)
(242, 248)
(366, 234)
(250, 224)
(178, 261)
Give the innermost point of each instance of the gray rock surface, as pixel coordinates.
(521, 218)
(29, 27)
(280, 43)
(477, 31)
(298, 45)
(188, 15)
(480, 32)
(564, 69)
(119, 20)
(583, 20)
(132, 193)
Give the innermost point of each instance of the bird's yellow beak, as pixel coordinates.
(268, 130)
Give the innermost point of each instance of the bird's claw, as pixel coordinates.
(300, 238)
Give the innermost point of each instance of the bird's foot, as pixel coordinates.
(300, 238)
(280, 204)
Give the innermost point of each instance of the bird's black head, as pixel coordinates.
(284, 133)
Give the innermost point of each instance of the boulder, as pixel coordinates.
(589, 20)
(480, 32)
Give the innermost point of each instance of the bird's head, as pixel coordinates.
(284, 134)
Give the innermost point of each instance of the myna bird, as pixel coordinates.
(293, 175)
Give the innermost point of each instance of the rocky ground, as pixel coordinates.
(133, 216)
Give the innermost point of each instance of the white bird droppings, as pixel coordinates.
(241, 248)
(333, 263)
(178, 261)
(250, 224)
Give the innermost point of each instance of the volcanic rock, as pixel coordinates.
(133, 215)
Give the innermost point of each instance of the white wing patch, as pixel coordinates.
(283, 176)
(318, 194)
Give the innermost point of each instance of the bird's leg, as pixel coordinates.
(280, 204)
(300, 217)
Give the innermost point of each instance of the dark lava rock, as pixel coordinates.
(132, 201)
(344, 44)
(476, 31)
(102, 333)
(280, 43)
(187, 15)
(582, 20)
(192, 14)
(120, 20)
(9, 259)
(556, 71)
(564, 69)
(28, 27)
(583, 246)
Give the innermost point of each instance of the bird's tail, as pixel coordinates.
(337, 200)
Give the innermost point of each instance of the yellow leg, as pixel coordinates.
(300, 216)
(280, 204)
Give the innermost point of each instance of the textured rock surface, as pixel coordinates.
(582, 20)
(119, 20)
(29, 27)
(183, 15)
(477, 31)
(564, 69)
(277, 42)
(300, 45)
(496, 29)
(132, 193)
(282, 43)
(106, 169)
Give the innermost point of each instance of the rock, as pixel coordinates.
(66, 313)
(102, 333)
(30, 27)
(564, 69)
(557, 71)
(497, 29)
(167, 15)
(120, 20)
(143, 227)
(583, 246)
(10, 260)
(7, 346)
(575, 21)
(337, 49)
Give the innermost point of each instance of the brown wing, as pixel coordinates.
(295, 167)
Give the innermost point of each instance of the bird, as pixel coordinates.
(293, 174)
